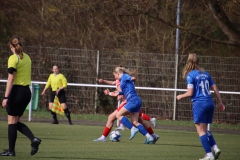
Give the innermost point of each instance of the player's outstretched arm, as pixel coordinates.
(114, 93)
(106, 81)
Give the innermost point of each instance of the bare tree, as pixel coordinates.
(224, 23)
(136, 25)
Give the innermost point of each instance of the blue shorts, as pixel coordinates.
(133, 105)
(203, 111)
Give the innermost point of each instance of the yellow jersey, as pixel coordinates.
(56, 81)
(23, 69)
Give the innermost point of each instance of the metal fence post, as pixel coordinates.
(118, 122)
(176, 59)
(31, 103)
(97, 74)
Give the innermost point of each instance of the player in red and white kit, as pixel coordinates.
(143, 115)
(112, 116)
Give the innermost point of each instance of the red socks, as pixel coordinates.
(106, 131)
(145, 117)
(150, 130)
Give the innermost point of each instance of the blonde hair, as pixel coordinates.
(192, 64)
(121, 69)
(16, 42)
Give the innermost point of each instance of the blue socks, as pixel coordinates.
(129, 125)
(205, 143)
(142, 130)
(211, 139)
(126, 122)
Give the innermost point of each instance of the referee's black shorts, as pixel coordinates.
(61, 96)
(18, 100)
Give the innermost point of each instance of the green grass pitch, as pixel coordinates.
(76, 142)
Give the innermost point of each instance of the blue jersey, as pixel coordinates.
(127, 87)
(201, 83)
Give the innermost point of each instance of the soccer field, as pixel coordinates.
(76, 142)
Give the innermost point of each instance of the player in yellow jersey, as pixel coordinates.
(57, 82)
(17, 96)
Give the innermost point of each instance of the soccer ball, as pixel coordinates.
(115, 136)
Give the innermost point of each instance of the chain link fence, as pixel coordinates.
(153, 70)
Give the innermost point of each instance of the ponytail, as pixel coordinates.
(16, 42)
(192, 64)
(122, 69)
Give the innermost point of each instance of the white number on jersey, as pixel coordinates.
(205, 87)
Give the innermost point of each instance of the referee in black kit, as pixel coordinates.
(17, 96)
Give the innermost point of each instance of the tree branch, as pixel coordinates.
(234, 40)
(224, 23)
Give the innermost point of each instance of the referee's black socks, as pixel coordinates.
(54, 116)
(67, 113)
(12, 136)
(21, 127)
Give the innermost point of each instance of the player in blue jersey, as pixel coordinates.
(133, 104)
(199, 83)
